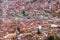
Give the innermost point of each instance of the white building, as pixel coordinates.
(40, 27)
(54, 25)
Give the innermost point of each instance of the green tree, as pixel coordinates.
(38, 32)
(58, 14)
(24, 13)
(54, 13)
(57, 3)
(18, 29)
(52, 38)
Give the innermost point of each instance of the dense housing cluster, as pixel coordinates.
(29, 19)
